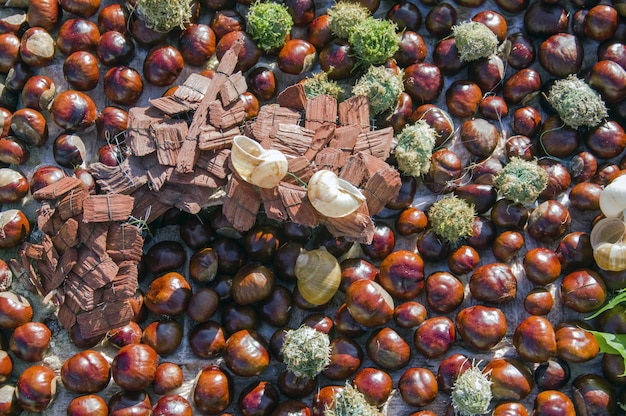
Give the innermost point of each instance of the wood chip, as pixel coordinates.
(45, 214)
(293, 97)
(122, 287)
(138, 136)
(226, 117)
(345, 138)
(270, 117)
(156, 173)
(55, 278)
(377, 143)
(321, 138)
(168, 137)
(320, 110)
(215, 162)
(232, 89)
(300, 171)
(93, 236)
(354, 170)
(297, 204)
(107, 207)
(357, 227)
(191, 202)
(198, 178)
(124, 242)
(121, 179)
(330, 158)
(381, 187)
(105, 317)
(170, 105)
(186, 97)
(79, 292)
(241, 205)
(72, 204)
(58, 188)
(67, 237)
(273, 204)
(148, 205)
(94, 271)
(212, 138)
(355, 111)
(291, 139)
(66, 317)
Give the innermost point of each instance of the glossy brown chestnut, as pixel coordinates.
(412, 49)
(197, 44)
(168, 377)
(37, 47)
(534, 339)
(446, 57)
(444, 292)
(479, 136)
(248, 55)
(493, 107)
(128, 334)
(462, 98)
(527, 121)
(509, 215)
(36, 388)
(125, 402)
(77, 35)
(346, 357)
(520, 85)
(86, 372)
(82, 8)
(262, 83)
(511, 379)
(488, 74)
(203, 304)
(30, 126)
(115, 48)
(123, 85)
(481, 327)
(134, 367)
(444, 172)
(111, 122)
(369, 303)
(409, 314)
(277, 307)
(258, 398)
(164, 336)
(226, 20)
(230, 255)
(606, 140)
(30, 341)
(296, 56)
(418, 386)
(609, 79)
(44, 13)
(493, 283)
(168, 294)
(449, 369)
(423, 81)
(13, 186)
(553, 403)
(539, 301)
(507, 245)
(583, 291)
(113, 17)
(374, 383)
(245, 353)
(90, 404)
(574, 344)
(69, 151)
(541, 265)
(402, 274)
(6, 366)
(574, 251)
(236, 317)
(162, 65)
(15, 230)
(38, 92)
(434, 337)
(164, 256)
(252, 283)
(324, 398)
(172, 405)
(440, 19)
(73, 110)
(387, 349)
(561, 54)
(411, 221)
(9, 51)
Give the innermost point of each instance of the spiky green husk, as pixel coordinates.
(344, 15)
(415, 148)
(164, 16)
(474, 40)
(451, 218)
(306, 351)
(374, 41)
(319, 84)
(269, 24)
(521, 181)
(577, 103)
(471, 392)
(381, 86)
(351, 402)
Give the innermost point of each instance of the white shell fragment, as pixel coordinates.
(613, 198)
(608, 244)
(262, 167)
(332, 196)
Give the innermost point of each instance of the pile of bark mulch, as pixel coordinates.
(185, 164)
(87, 259)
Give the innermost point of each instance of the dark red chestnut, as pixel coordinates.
(123, 85)
(9, 51)
(89, 404)
(113, 17)
(409, 314)
(115, 48)
(523, 83)
(252, 283)
(534, 339)
(73, 110)
(418, 386)
(262, 83)
(164, 336)
(128, 334)
(36, 388)
(462, 98)
(511, 379)
(212, 392)
(13, 186)
(245, 353)
(134, 367)
(561, 54)
(30, 125)
(111, 122)
(125, 402)
(423, 81)
(15, 230)
(248, 55)
(481, 327)
(440, 19)
(164, 256)
(387, 349)
(30, 341)
(168, 377)
(162, 65)
(168, 294)
(77, 35)
(374, 383)
(69, 151)
(296, 56)
(207, 340)
(434, 337)
(539, 301)
(197, 44)
(493, 283)
(37, 47)
(86, 372)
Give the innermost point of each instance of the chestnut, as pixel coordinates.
(574, 344)
(382, 244)
(125, 402)
(123, 85)
(144, 35)
(168, 294)
(86, 372)
(73, 110)
(6, 366)
(248, 56)
(493, 107)
(38, 92)
(15, 230)
(583, 291)
(609, 79)
(115, 48)
(262, 83)
(36, 388)
(520, 85)
(548, 400)
(164, 336)
(534, 339)
(277, 307)
(30, 341)
(446, 57)
(113, 17)
(207, 340)
(409, 314)
(440, 19)
(90, 404)
(172, 405)
(463, 97)
(111, 122)
(375, 384)
(44, 13)
(479, 136)
(418, 386)
(538, 301)
(434, 337)
(561, 54)
(226, 20)
(545, 19)
(449, 369)
(423, 81)
(162, 65)
(607, 140)
(77, 35)
(212, 390)
(252, 283)
(296, 56)
(412, 49)
(37, 47)
(82, 8)
(9, 51)
(202, 304)
(13, 186)
(134, 367)
(69, 151)
(30, 125)
(411, 221)
(369, 303)
(493, 283)
(168, 377)
(245, 353)
(444, 292)
(552, 374)
(165, 255)
(406, 194)
(481, 327)
(197, 44)
(387, 349)
(127, 334)
(511, 379)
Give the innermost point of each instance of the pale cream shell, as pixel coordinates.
(262, 167)
(613, 198)
(319, 274)
(607, 242)
(332, 196)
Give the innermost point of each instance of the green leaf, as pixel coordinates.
(621, 297)
(611, 344)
